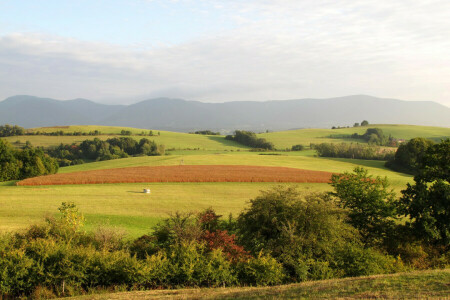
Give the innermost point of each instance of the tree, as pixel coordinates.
(9, 165)
(427, 201)
(408, 156)
(356, 125)
(365, 123)
(372, 207)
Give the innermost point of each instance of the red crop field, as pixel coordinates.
(183, 173)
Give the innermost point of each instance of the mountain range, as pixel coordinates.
(185, 116)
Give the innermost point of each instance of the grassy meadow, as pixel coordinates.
(285, 139)
(125, 206)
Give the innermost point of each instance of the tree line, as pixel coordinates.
(250, 139)
(14, 130)
(24, 163)
(283, 236)
(96, 149)
(352, 150)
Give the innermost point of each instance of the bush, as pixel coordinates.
(354, 260)
(298, 148)
(262, 270)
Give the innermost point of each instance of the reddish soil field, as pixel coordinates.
(183, 173)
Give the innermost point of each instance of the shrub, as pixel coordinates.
(262, 270)
(298, 147)
(354, 260)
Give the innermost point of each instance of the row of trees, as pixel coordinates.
(363, 123)
(11, 130)
(250, 139)
(206, 132)
(25, 163)
(352, 150)
(97, 149)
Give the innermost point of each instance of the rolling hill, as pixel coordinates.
(185, 116)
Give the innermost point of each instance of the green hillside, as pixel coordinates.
(285, 139)
(172, 140)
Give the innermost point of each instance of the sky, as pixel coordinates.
(124, 51)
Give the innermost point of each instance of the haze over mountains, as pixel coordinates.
(184, 116)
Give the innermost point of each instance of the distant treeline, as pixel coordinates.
(363, 123)
(373, 136)
(250, 139)
(28, 162)
(11, 130)
(97, 149)
(352, 150)
(14, 130)
(206, 132)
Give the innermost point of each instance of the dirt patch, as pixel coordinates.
(184, 173)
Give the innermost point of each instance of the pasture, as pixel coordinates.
(124, 205)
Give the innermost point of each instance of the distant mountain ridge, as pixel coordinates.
(182, 115)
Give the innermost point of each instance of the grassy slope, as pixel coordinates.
(123, 205)
(285, 139)
(424, 284)
(282, 139)
(169, 139)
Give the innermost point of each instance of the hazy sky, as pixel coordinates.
(120, 51)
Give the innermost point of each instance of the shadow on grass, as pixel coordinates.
(223, 141)
(378, 164)
(9, 183)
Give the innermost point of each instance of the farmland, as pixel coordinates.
(182, 173)
(123, 205)
(222, 176)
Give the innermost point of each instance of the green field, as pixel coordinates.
(172, 140)
(122, 205)
(414, 285)
(285, 139)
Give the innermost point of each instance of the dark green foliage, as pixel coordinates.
(21, 164)
(97, 149)
(262, 270)
(9, 165)
(298, 147)
(304, 233)
(11, 130)
(371, 205)
(207, 132)
(427, 201)
(357, 261)
(365, 123)
(350, 150)
(375, 136)
(249, 138)
(409, 155)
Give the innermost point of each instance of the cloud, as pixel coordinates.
(280, 50)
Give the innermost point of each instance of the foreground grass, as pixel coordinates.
(124, 205)
(424, 284)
